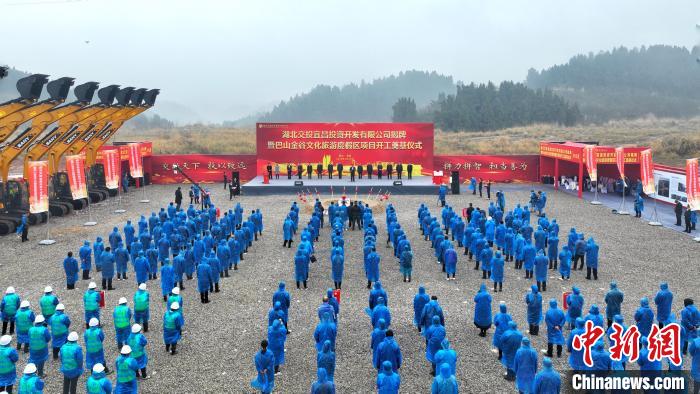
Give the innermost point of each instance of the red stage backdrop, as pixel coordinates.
(202, 168)
(499, 168)
(347, 143)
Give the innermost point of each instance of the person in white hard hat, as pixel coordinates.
(71, 363)
(98, 382)
(59, 323)
(94, 351)
(172, 327)
(122, 321)
(175, 297)
(127, 369)
(8, 310)
(137, 342)
(8, 360)
(25, 319)
(39, 338)
(142, 300)
(48, 303)
(91, 303)
(30, 381)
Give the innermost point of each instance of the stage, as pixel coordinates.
(417, 185)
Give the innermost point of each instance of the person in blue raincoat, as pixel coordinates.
(97, 248)
(613, 301)
(594, 316)
(94, 350)
(265, 366)
(482, 310)
(565, 263)
(322, 385)
(141, 268)
(555, 320)
(500, 323)
(283, 297)
(541, 271)
(663, 301)
(591, 259)
(525, 367)
(442, 193)
(378, 335)
(434, 336)
(638, 206)
(167, 279)
(497, 270)
(8, 361)
(432, 308)
(510, 343)
(372, 267)
(552, 249)
(446, 355)
(30, 382)
(574, 302)
(39, 338)
(276, 313)
(173, 322)
(388, 381)
(406, 263)
(325, 330)
(389, 351)
(70, 266)
(576, 356)
(276, 338)
(121, 258)
(301, 268)
(419, 302)
(337, 265)
(547, 381)
(529, 256)
(204, 280)
(533, 299)
(137, 342)
(376, 293)
(325, 359)
(450, 260)
(485, 257)
(85, 254)
(59, 323)
(694, 351)
(644, 317)
(24, 319)
(380, 311)
(445, 382)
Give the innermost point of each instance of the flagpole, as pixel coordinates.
(622, 211)
(595, 196)
(90, 222)
(119, 199)
(654, 216)
(48, 240)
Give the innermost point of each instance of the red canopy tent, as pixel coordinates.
(568, 158)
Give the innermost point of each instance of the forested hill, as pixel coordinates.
(627, 83)
(364, 102)
(8, 89)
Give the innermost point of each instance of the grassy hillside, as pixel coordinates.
(673, 140)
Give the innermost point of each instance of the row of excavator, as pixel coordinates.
(51, 128)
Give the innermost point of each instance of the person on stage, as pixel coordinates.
(352, 173)
(269, 173)
(399, 170)
(389, 171)
(340, 170)
(409, 170)
(369, 171)
(289, 171)
(319, 170)
(300, 170)
(277, 170)
(380, 167)
(309, 170)
(330, 170)
(359, 171)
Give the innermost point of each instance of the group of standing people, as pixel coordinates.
(380, 170)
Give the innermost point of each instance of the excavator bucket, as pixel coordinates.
(59, 88)
(107, 93)
(124, 95)
(137, 97)
(149, 99)
(30, 87)
(85, 92)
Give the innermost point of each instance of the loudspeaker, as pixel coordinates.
(455, 182)
(398, 183)
(298, 183)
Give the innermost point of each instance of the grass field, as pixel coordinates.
(673, 140)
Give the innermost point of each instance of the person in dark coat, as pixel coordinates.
(309, 170)
(390, 171)
(269, 170)
(178, 196)
(330, 170)
(688, 223)
(409, 170)
(319, 170)
(380, 167)
(488, 189)
(678, 209)
(300, 170)
(340, 170)
(481, 187)
(352, 173)
(399, 170)
(359, 171)
(289, 171)
(370, 168)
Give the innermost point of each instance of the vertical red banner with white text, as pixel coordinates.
(112, 167)
(591, 162)
(135, 160)
(38, 186)
(647, 171)
(620, 161)
(75, 167)
(692, 185)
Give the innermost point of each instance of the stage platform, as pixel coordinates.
(417, 185)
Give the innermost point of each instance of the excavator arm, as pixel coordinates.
(14, 113)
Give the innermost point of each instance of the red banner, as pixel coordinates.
(38, 186)
(75, 167)
(692, 185)
(202, 168)
(591, 162)
(497, 168)
(112, 167)
(346, 143)
(647, 172)
(620, 161)
(135, 160)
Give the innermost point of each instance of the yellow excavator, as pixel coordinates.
(15, 112)
(14, 194)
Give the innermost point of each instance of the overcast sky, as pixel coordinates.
(225, 59)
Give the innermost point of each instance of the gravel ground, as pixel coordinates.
(220, 339)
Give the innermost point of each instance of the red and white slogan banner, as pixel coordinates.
(620, 161)
(647, 172)
(112, 167)
(591, 162)
(135, 160)
(38, 186)
(692, 186)
(75, 167)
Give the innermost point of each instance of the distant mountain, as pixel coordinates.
(8, 89)
(366, 102)
(660, 80)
